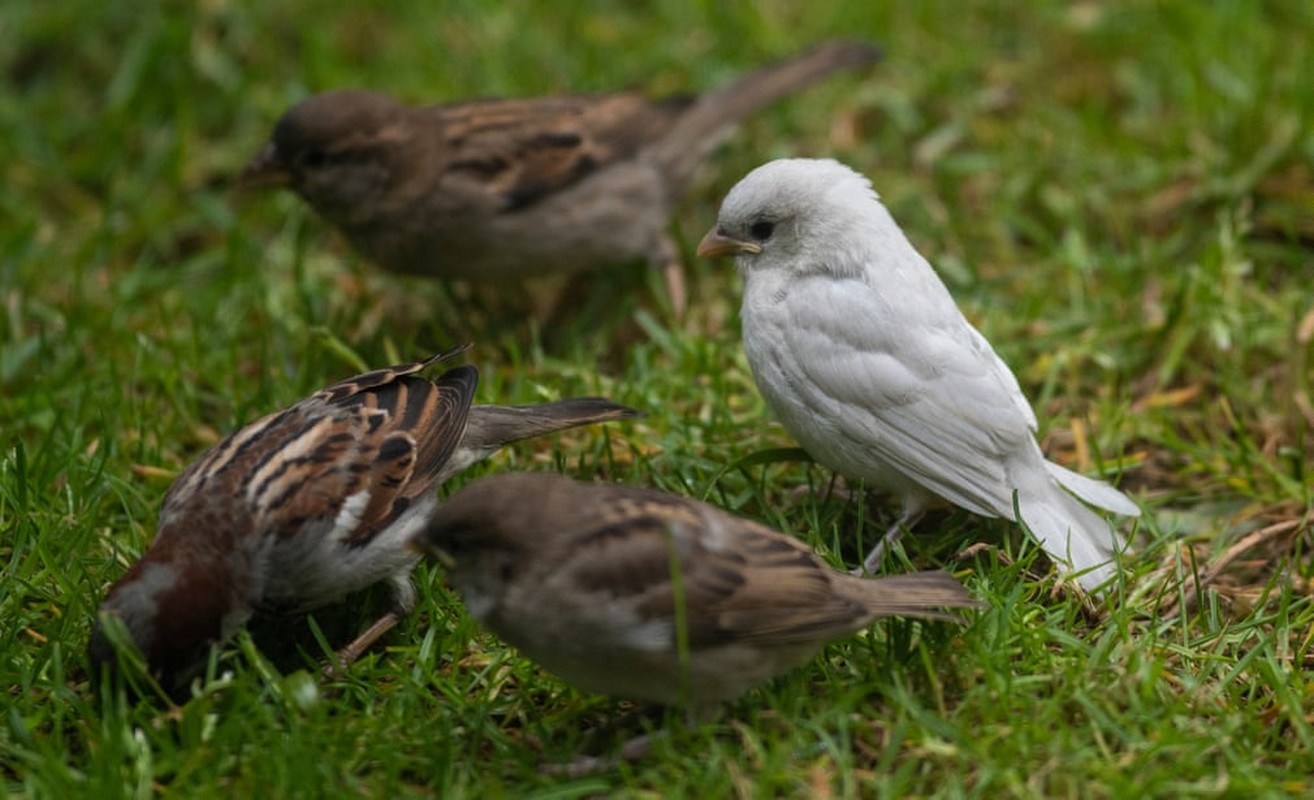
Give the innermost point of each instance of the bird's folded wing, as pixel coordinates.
(744, 586)
(358, 452)
(930, 398)
(522, 150)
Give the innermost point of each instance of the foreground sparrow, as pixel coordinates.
(642, 594)
(862, 354)
(300, 508)
(498, 190)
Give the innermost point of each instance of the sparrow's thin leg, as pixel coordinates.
(890, 539)
(403, 597)
(348, 655)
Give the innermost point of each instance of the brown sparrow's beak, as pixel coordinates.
(265, 170)
(717, 244)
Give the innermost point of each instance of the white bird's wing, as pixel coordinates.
(922, 392)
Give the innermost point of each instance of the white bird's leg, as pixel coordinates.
(892, 536)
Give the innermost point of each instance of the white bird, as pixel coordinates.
(861, 352)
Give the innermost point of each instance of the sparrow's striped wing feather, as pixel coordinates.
(390, 479)
(317, 472)
(434, 412)
(357, 453)
(370, 452)
(379, 378)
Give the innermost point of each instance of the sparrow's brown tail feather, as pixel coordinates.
(711, 118)
(921, 594)
(494, 426)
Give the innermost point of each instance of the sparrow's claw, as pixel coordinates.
(356, 648)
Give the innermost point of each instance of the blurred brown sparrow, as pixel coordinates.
(642, 594)
(298, 509)
(494, 190)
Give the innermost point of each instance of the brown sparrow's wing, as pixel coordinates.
(522, 150)
(357, 452)
(435, 413)
(785, 593)
(649, 550)
(345, 389)
(789, 594)
(371, 456)
(740, 581)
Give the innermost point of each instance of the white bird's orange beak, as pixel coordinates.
(717, 245)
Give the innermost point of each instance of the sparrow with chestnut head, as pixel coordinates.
(309, 504)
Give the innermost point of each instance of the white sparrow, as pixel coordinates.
(642, 594)
(500, 190)
(860, 351)
(298, 509)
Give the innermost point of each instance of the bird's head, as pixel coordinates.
(340, 151)
(159, 617)
(485, 534)
(796, 214)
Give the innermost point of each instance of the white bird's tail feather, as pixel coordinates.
(1097, 493)
(1076, 538)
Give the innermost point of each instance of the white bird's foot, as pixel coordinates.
(887, 542)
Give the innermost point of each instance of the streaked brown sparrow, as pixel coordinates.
(298, 509)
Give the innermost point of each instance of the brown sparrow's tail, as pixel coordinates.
(921, 594)
(491, 427)
(710, 119)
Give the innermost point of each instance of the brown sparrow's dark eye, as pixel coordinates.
(314, 159)
(761, 230)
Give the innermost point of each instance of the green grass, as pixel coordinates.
(1121, 196)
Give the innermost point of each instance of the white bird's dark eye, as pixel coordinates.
(761, 230)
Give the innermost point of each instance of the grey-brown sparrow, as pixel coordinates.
(642, 594)
(298, 509)
(498, 190)
(861, 352)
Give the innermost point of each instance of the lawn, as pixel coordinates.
(1120, 196)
